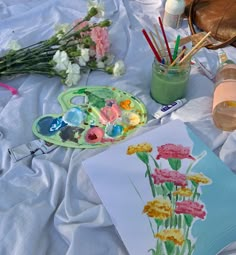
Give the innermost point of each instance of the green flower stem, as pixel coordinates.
(177, 251)
(150, 180)
(195, 192)
(26, 51)
(158, 247)
(29, 66)
(185, 242)
(10, 62)
(29, 71)
(87, 18)
(21, 51)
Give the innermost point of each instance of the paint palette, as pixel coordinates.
(92, 117)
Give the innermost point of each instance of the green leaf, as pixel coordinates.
(195, 185)
(169, 185)
(153, 251)
(170, 247)
(143, 156)
(189, 244)
(175, 220)
(159, 190)
(155, 162)
(179, 221)
(175, 163)
(198, 195)
(158, 222)
(165, 191)
(167, 222)
(188, 219)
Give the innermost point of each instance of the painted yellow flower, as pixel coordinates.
(198, 178)
(142, 147)
(183, 191)
(158, 208)
(173, 234)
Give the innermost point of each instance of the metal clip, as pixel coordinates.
(36, 147)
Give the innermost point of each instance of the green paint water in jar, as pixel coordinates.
(169, 83)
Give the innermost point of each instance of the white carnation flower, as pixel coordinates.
(62, 60)
(13, 45)
(73, 74)
(119, 68)
(99, 5)
(84, 57)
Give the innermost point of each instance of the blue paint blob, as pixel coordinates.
(43, 126)
(57, 124)
(74, 116)
(114, 130)
(49, 126)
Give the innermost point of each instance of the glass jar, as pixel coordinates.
(224, 98)
(169, 83)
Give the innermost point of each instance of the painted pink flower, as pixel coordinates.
(100, 36)
(173, 151)
(190, 207)
(165, 175)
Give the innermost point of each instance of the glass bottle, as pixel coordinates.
(173, 14)
(224, 98)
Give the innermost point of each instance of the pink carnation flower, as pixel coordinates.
(165, 175)
(80, 26)
(100, 36)
(173, 151)
(190, 207)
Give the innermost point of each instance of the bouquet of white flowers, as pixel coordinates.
(72, 50)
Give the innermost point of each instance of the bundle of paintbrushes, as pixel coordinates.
(162, 51)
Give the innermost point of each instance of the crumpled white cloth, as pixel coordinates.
(48, 205)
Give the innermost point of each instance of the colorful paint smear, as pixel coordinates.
(106, 115)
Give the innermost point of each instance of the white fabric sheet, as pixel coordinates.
(47, 203)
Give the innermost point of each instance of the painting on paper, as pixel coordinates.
(167, 193)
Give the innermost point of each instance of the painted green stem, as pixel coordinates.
(150, 180)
